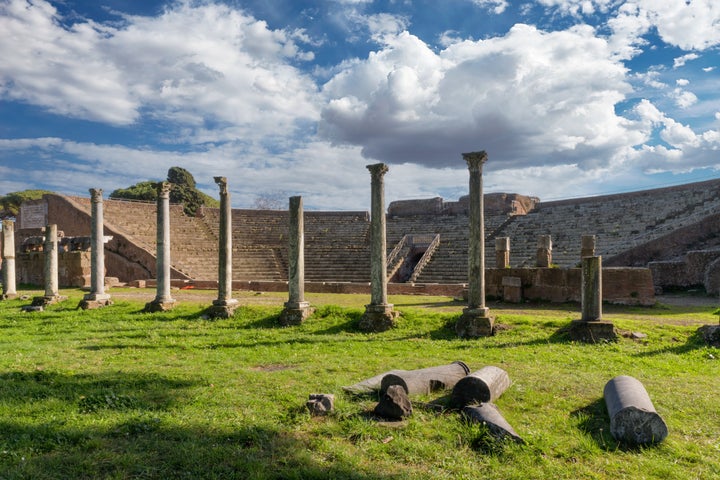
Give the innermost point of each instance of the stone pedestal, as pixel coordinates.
(163, 300)
(378, 318)
(296, 308)
(502, 252)
(8, 255)
(475, 320)
(295, 313)
(222, 308)
(97, 297)
(379, 315)
(544, 251)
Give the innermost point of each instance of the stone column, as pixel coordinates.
(8, 253)
(591, 289)
(544, 251)
(97, 296)
(52, 294)
(163, 299)
(475, 320)
(379, 315)
(296, 308)
(587, 246)
(502, 252)
(225, 305)
(591, 327)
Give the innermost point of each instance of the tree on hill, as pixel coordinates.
(10, 203)
(183, 191)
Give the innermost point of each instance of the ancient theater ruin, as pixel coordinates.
(648, 240)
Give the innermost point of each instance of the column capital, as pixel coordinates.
(377, 169)
(96, 195)
(8, 225)
(222, 183)
(475, 160)
(163, 189)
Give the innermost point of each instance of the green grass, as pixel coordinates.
(117, 393)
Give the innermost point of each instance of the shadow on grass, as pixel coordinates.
(123, 427)
(593, 421)
(694, 342)
(142, 391)
(145, 447)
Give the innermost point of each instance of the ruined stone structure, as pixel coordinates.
(224, 306)
(296, 309)
(8, 255)
(673, 230)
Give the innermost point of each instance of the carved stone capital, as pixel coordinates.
(475, 160)
(377, 170)
(222, 183)
(163, 189)
(96, 195)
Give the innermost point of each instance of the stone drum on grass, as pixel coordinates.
(633, 419)
(485, 385)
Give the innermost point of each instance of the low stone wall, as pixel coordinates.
(73, 268)
(625, 286)
(697, 268)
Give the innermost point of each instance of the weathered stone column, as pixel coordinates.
(97, 296)
(502, 252)
(475, 320)
(587, 246)
(163, 299)
(379, 315)
(544, 251)
(591, 327)
(591, 289)
(52, 293)
(225, 305)
(8, 253)
(296, 308)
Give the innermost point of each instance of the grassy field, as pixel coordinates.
(117, 393)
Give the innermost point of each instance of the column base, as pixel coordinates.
(8, 296)
(592, 331)
(92, 301)
(475, 322)
(295, 313)
(378, 318)
(47, 300)
(159, 305)
(222, 308)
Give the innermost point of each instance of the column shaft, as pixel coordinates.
(163, 243)
(378, 246)
(51, 261)
(476, 240)
(8, 253)
(296, 245)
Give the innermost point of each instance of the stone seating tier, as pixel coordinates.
(337, 243)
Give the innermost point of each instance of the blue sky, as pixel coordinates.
(569, 98)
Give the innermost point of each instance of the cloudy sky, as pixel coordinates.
(290, 97)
